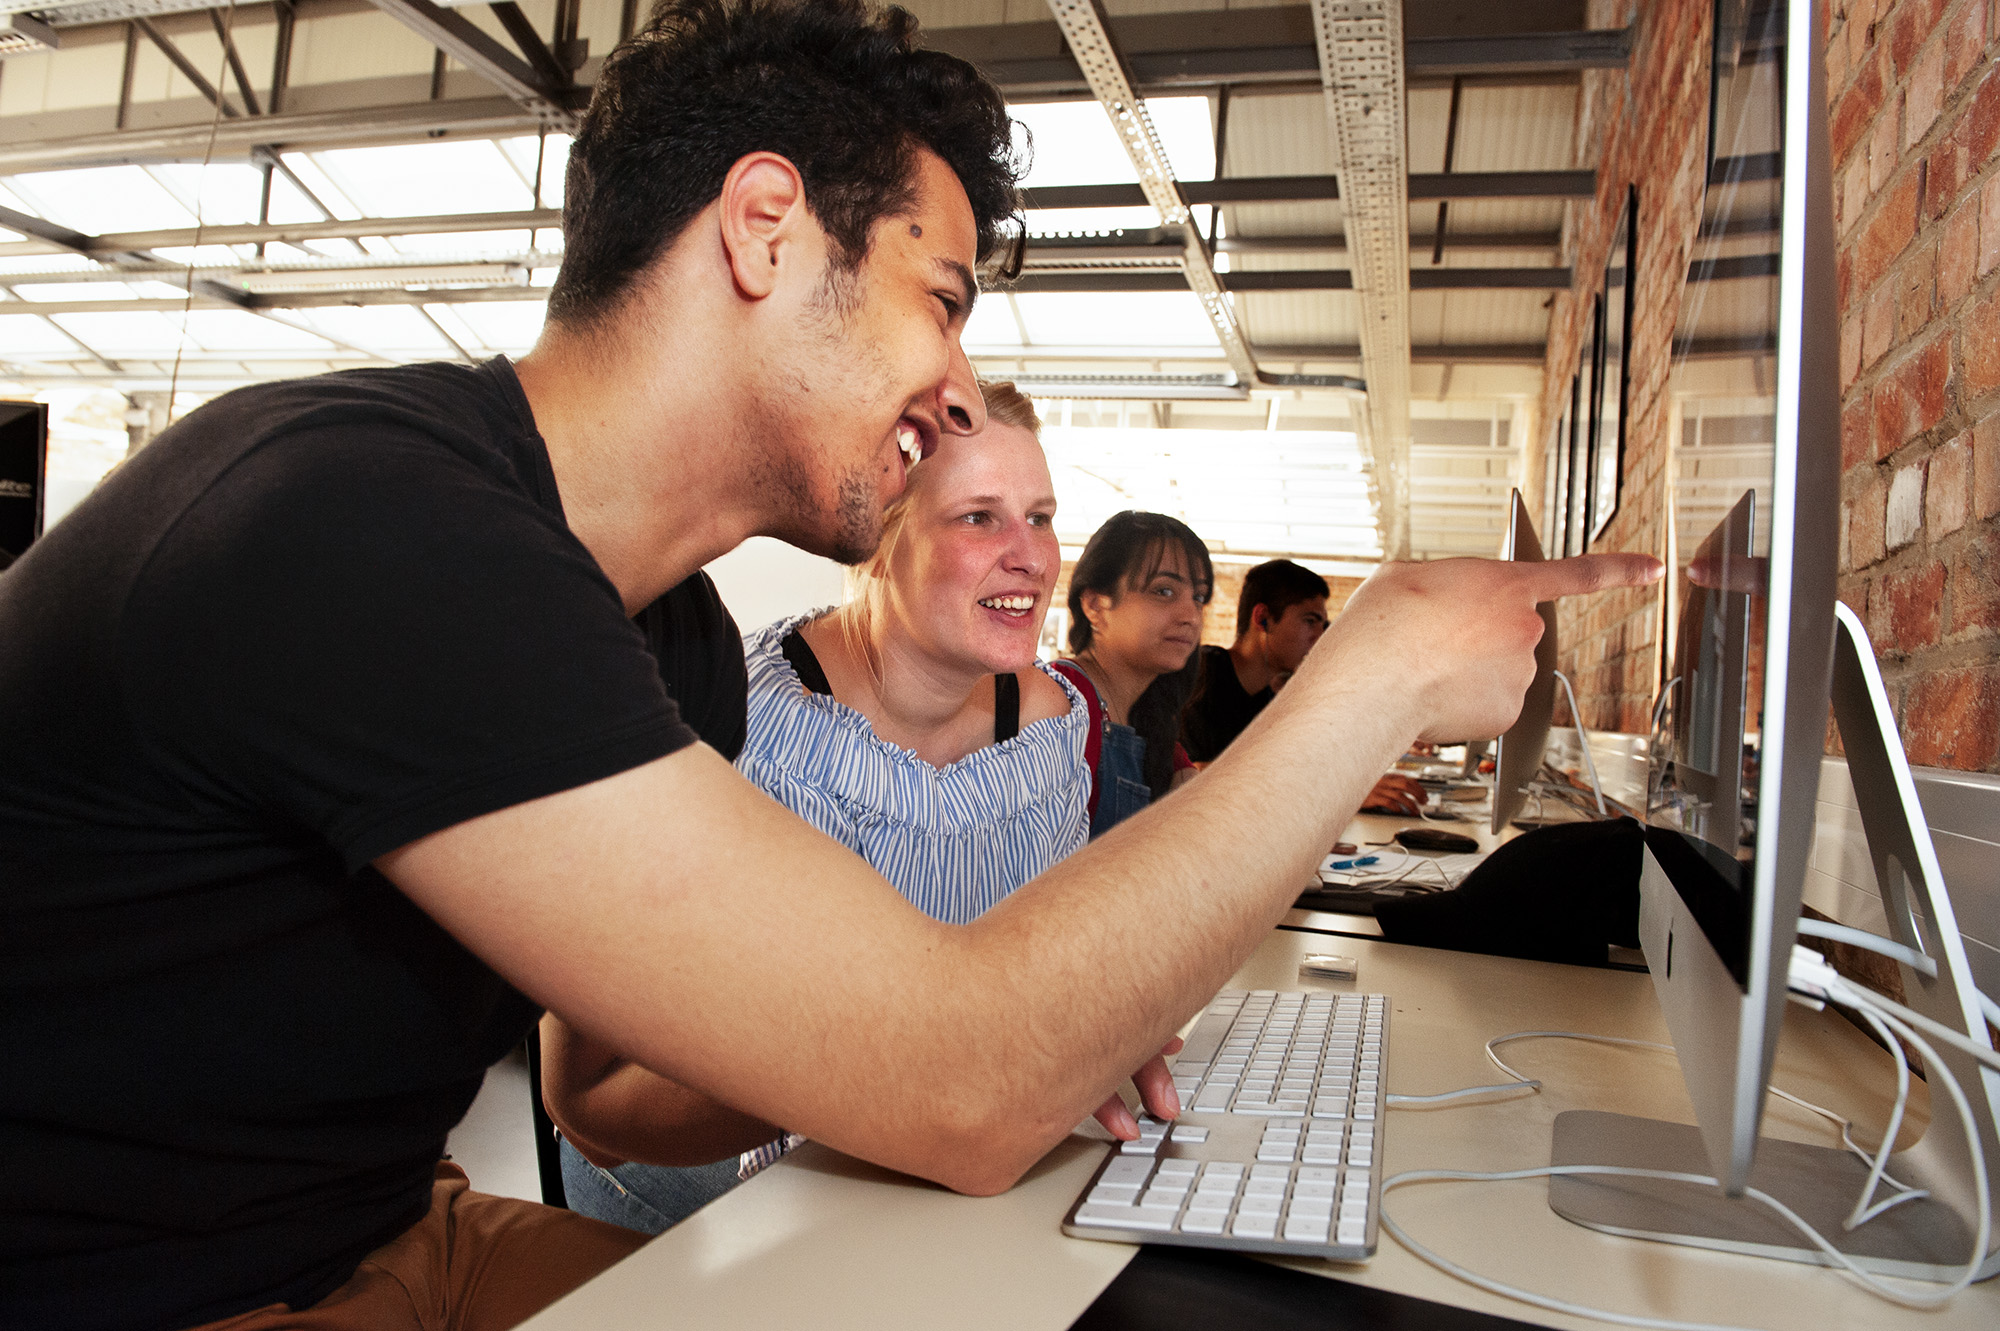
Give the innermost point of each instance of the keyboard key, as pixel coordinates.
(1189, 1133)
(1281, 1152)
(1258, 1204)
(1223, 1169)
(1204, 1222)
(1213, 1098)
(1313, 1188)
(1159, 1218)
(1255, 1226)
(1321, 1155)
(1306, 1228)
(1171, 1198)
(1144, 1146)
(1351, 1234)
(1278, 1172)
(1112, 1194)
(1133, 1172)
(1176, 1167)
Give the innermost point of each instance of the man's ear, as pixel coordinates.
(763, 209)
(1260, 617)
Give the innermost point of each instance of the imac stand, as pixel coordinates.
(1928, 1239)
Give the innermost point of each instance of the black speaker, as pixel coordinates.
(24, 475)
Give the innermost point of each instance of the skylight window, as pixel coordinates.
(1074, 143)
(1116, 319)
(94, 200)
(424, 179)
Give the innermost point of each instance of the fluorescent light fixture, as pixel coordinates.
(392, 276)
(23, 34)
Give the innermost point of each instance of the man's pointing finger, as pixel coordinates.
(1590, 573)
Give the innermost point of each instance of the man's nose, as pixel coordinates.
(961, 407)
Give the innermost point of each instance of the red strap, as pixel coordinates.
(1093, 747)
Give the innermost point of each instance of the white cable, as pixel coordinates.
(1982, 1191)
(1583, 742)
(1398, 1100)
(1840, 1260)
(1840, 933)
(1854, 995)
(1907, 1193)
(1564, 1035)
(1877, 1170)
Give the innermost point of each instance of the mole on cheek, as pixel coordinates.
(916, 230)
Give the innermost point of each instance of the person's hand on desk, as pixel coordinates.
(1155, 1082)
(1396, 793)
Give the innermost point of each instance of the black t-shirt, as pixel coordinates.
(1219, 709)
(310, 624)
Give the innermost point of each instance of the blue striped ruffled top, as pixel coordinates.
(954, 840)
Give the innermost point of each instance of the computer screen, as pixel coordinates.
(24, 437)
(1748, 604)
(1517, 756)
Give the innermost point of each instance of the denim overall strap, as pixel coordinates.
(1121, 779)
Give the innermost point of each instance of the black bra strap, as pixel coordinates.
(1006, 707)
(800, 653)
(1006, 688)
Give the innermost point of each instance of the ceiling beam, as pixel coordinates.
(1318, 189)
(237, 138)
(1361, 77)
(1295, 279)
(458, 37)
(1086, 30)
(1247, 47)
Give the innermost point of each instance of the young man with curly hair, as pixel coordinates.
(331, 753)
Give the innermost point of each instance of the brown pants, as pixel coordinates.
(473, 1263)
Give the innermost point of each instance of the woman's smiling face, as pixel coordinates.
(975, 559)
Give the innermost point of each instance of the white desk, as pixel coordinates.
(825, 1241)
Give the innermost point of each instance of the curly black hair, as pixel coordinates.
(838, 87)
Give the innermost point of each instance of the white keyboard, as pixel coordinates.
(1275, 1150)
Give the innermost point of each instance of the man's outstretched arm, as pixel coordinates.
(962, 1053)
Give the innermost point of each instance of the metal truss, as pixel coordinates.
(1361, 72)
(535, 87)
(1084, 27)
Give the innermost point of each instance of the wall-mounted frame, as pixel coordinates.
(1576, 529)
(1555, 482)
(1611, 380)
(1731, 24)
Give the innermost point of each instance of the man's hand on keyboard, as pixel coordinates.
(1156, 1093)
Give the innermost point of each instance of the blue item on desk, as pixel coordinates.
(1341, 865)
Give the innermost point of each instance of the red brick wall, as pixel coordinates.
(1648, 127)
(1915, 102)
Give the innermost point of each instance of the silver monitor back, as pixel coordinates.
(1718, 917)
(1517, 755)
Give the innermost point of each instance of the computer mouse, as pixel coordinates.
(1431, 838)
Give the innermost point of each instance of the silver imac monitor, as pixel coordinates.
(1723, 876)
(1517, 755)
(1748, 654)
(1749, 624)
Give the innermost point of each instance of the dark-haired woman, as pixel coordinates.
(1136, 599)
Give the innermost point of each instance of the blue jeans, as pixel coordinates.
(648, 1198)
